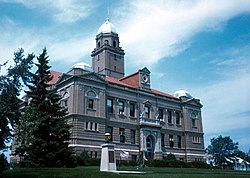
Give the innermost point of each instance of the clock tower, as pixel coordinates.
(108, 56)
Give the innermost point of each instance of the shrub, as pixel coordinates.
(93, 162)
(167, 163)
(199, 164)
(170, 157)
(84, 160)
(126, 163)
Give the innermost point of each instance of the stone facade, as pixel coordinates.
(139, 118)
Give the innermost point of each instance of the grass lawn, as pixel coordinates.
(93, 172)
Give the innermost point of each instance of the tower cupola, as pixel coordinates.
(107, 27)
(108, 56)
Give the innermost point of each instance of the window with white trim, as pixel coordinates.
(91, 126)
(196, 139)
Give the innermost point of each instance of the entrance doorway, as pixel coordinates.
(150, 147)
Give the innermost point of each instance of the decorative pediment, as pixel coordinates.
(63, 78)
(147, 103)
(145, 70)
(93, 76)
(193, 101)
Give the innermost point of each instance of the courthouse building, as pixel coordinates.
(141, 120)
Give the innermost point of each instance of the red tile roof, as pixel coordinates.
(162, 93)
(56, 76)
(117, 81)
(132, 79)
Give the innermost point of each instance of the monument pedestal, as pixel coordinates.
(108, 162)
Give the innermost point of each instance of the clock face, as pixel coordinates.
(145, 78)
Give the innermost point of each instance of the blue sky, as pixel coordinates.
(197, 45)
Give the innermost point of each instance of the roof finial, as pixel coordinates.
(108, 8)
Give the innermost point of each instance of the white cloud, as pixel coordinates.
(227, 99)
(66, 51)
(151, 30)
(63, 11)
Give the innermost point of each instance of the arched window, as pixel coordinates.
(91, 94)
(91, 99)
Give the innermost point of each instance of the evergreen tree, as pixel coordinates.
(43, 131)
(10, 88)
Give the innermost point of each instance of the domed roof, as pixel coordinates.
(181, 93)
(82, 65)
(107, 27)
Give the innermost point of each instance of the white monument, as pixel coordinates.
(108, 162)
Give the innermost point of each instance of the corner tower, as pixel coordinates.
(108, 56)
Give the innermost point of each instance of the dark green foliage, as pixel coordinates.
(167, 163)
(127, 163)
(3, 163)
(177, 164)
(84, 160)
(198, 164)
(222, 147)
(10, 87)
(43, 132)
(171, 157)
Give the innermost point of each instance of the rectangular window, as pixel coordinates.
(160, 112)
(122, 135)
(193, 122)
(171, 141)
(110, 130)
(90, 103)
(170, 117)
(178, 118)
(132, 109)
(96, 126)
(132, 136)
(109, 105)
(121, 107)
(196, 140)
(134, 157)
(179, 141)
(87, 126)
(147, 111)
(162, 139)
